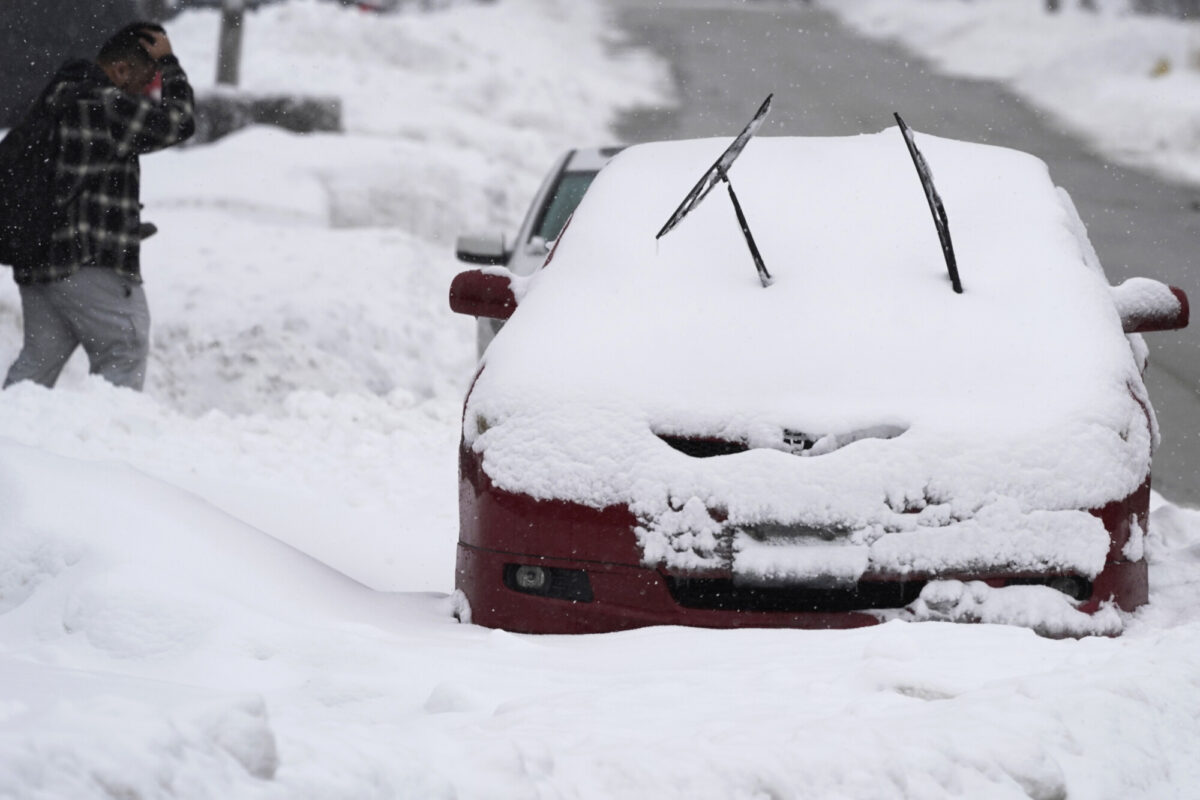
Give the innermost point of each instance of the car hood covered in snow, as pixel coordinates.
(874, 419)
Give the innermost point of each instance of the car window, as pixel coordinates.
(565, 198)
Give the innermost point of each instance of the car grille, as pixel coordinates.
(704, 448)
(717, 594)
(791, 441)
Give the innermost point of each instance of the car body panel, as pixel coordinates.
(499, 529)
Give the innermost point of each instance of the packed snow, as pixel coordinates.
(1008, 410)
(238, 584)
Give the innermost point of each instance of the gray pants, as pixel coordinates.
(95, 307)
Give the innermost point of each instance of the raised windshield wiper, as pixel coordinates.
(719, 172)
(940, 220)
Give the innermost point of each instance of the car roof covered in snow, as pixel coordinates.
(860, 331)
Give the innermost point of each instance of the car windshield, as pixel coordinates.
(566, 197)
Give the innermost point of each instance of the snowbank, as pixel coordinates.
(1126, 83)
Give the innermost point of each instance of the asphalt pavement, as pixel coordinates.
(727, 55)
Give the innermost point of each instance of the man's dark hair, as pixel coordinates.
(126, 44)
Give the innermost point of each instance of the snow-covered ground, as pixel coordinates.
(237, 584)
(1126, 83)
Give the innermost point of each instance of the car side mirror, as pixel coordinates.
(1147, 305)
(480, 293)
(485, 250)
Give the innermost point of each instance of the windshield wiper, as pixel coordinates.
(719, 173)
(940, 220)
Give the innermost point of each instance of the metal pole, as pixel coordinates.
(229, 52)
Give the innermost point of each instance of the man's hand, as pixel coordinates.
(156, 43)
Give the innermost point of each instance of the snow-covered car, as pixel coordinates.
(560, 192)
(660, 435)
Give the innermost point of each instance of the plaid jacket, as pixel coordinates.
(102, 130)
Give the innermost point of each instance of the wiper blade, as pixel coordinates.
(717, 173)
(940, 220)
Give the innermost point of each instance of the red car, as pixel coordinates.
(776, 410)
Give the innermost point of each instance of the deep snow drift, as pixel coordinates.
(306, 383)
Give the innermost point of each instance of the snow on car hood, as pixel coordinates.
(952, 432)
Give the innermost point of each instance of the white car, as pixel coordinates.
(560, 192)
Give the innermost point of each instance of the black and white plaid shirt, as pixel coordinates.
(102, 130)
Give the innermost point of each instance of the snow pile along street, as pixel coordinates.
(163, 636)
(1127, 83)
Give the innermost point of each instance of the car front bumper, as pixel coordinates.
(593, 579)
(623, 597)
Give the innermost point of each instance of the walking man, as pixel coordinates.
(88, 288)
